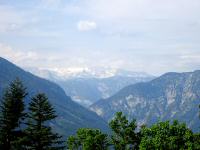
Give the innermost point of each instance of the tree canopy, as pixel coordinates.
(88, 139)
(124, 135)
(164, 135)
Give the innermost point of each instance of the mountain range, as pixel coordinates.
(71, 115)
(86, 86)
(146, 98)
(78, 72)
(170, 96)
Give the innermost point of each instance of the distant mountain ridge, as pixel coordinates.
(87, 91)
(71, 116)
(170, 96)
(63, 74)
(87, 87)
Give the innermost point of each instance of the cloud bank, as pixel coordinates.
(129, 34)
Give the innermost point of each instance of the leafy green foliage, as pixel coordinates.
(196, 139)
(88, 139)
(39, 134)
(164, 135)
(160, 136)
(124, 135)
(12, 114)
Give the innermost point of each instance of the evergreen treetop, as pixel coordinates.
(12, 113)
(39, 134)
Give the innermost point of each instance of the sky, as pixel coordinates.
(153, 36)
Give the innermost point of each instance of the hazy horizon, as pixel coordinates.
(139, 35)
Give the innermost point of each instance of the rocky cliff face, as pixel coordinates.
(171, 96)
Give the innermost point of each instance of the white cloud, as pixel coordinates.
(16, 56)
(184, 61)
(131, 34)
(86, 25)
(153, 17)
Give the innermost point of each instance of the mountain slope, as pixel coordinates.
(86, 86)
(71, 116)
(171, 96)
(87, 91)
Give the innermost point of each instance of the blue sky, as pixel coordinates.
(141, 35)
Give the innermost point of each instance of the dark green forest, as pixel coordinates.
(28, 128)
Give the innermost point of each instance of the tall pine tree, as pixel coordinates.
(11, 114)
(39, 134)
(124, 133)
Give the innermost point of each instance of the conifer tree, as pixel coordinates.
(39, 134)
(12, 114)
(124, 134)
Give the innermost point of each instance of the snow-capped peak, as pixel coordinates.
(78, 72)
